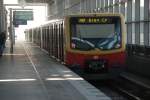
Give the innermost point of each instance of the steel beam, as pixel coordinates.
(137, 19)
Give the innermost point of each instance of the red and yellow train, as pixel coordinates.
(93, 42)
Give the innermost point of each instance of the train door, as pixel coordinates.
(39, 37)
(59, 41)
(30, 35)
(53, 40)
(36, 36)
(45, 38)
(50, 39)
(62, 41)
(56, 40)
(43, 33)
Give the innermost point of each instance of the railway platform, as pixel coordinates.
(30, 74)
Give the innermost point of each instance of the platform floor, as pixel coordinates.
(30, 74)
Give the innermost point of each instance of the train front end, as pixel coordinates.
(95, 43)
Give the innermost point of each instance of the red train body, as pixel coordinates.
(93, 42)
(112, 60)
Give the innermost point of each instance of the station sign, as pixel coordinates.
(21, 17)
(20, 22)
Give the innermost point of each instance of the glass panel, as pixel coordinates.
(108, 5)
(133, 10)
(141, 9)
(85, 6)
(133, 33)
(141, 34)
(87, 35)
(97, 30)
(149, 33)
(125, 11)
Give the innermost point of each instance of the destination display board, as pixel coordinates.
(21, 17)
(19, 22)
(93, 20)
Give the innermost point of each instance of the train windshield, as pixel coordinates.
(90, 33)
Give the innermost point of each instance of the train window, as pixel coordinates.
(91, 33)
(101, 31)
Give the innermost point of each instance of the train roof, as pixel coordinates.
(94, 14)
(79, 15)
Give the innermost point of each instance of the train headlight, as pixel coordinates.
(117, 46)
(95, 57)
(73, 45)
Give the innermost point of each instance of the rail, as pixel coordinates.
(140, 50)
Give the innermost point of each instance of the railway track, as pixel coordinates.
(129, 94)
(104, 86)
(122, 89)
(132, 89)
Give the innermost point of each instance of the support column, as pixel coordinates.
(41, 38)
(137, 20)
(11, 31)
(122, 8)
(106, 5)
(129, 20)
(1, 16)
(146, 22)
(102, 6)
(116, 9)
(110, 6)
(32, 35)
